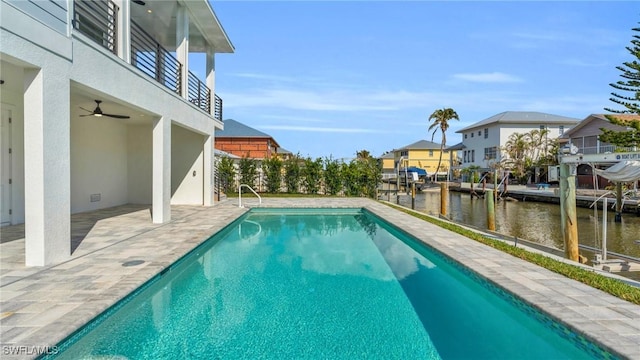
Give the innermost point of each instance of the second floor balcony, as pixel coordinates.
(159, 38)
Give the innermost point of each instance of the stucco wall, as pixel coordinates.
(12, 100)
(187, 165)
(98, 162)
(139, 164)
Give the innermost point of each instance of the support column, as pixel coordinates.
(182, 49)
(161, 203)
(124, 30)
(568, 218)
(208, 172)
(211, 77)
(47, 167)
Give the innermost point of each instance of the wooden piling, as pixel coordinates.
(444, 198)
(618, 217)
(413, 195)
(568, 216)
(491, 211)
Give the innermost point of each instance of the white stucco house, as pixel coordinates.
(100, 108)
(482, 141)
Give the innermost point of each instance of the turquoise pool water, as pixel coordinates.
(292, 284)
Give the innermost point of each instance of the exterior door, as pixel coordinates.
(5, 168)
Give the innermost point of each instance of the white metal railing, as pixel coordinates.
(240, 194)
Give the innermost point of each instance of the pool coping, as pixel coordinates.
(56, 301)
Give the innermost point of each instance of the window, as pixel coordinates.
(473, 156)
(465, 156)
(490, 153)
(472, 134)
(404, 153)
(430, 153)
(479, 132)
(486, 133)
(465, 136)
(542, 127)
(561, 129)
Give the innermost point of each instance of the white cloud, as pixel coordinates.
(581, 63)
(319, 129)
(493, 77)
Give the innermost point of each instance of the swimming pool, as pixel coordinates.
(312, 283)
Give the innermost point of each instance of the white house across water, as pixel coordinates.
(100, 108)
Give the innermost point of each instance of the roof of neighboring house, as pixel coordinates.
(567, 134)
(234, 128)
(225, 154)
(522, 117)
(458, 146)
(283, 151)
(421, 145)
(388, 155)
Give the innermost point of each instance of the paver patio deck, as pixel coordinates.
(40, 306)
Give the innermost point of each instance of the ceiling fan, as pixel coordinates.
(98, 112)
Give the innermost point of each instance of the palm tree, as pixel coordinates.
(517, 148)
(441, 119)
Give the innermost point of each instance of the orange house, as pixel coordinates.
(244, 141)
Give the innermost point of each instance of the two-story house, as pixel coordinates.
(585, 137)
(422, 154)
(483, 140)
(101, 107)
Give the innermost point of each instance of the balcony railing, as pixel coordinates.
(217, 109)
(602, 149)
(97, 19)
(154, 60)
(199, 93)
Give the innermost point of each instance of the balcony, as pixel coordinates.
(98, 21)
(603, 149)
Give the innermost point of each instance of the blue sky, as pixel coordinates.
(335, 77)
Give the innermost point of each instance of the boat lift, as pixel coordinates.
(569, 161)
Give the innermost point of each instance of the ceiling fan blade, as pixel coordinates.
(117, 116)
(86, 115)
(91, 111)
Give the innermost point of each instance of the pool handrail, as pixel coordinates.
(240, 194)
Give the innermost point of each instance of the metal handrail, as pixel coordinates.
(217, 108)
(98, 21)
(240, 194)
(154, 60)
(198, 93)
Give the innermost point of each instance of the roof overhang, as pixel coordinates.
(205, 31)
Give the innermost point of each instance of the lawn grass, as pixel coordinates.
(612, 286)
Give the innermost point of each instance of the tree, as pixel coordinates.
(248, 170)
(272, 173)
(516, 149)
(292, 174)
(441, 118)
(226, 173)
(631, 73)
(312, 175)
(332, 179)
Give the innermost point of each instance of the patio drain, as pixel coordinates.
(133, 263)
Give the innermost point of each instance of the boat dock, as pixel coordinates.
(584, 197)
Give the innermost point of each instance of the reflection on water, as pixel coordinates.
(539, 222)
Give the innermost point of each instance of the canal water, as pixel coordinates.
(538, 222)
